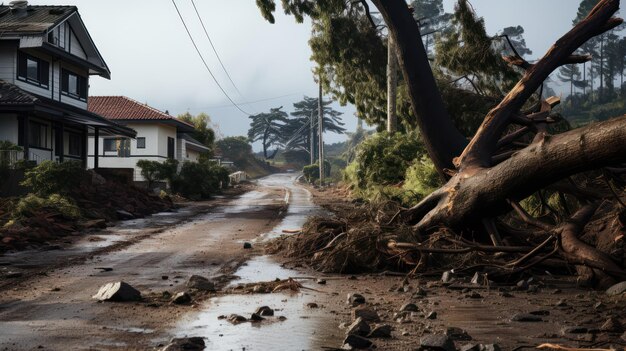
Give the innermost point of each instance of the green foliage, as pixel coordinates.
(200, 180)
(50, 177)
(150, 171)
(31, 203)
(203, 131)
(235, 148)
(421, 179)
(312, 172)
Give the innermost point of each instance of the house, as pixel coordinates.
(46, 60)
(159, 135)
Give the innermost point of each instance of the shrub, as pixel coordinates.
(51, 178)
(200, 180)
(153, 171)
(31, 203)
(312, 172)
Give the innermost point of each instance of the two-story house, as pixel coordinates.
(46, 59)
(159, 135)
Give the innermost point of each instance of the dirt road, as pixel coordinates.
(54, 309)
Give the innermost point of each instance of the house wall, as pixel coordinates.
(156, 148)
(192, 155)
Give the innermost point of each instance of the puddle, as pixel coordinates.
(308, 328)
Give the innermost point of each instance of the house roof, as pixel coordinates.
(15, 99)
(193, 143)
(34, 19)
(122, 108)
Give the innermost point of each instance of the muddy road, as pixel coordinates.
(53, 308)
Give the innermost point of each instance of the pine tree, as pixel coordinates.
(569, 74)
(267, 128)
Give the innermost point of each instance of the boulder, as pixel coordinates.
(181, 298)
(236, 319)
(264, 311)
(355, 299)
(117, 292)
(358, 327)
(436, 342)
(617, 289)
(356, 342)
(368, 314)
(200, 283)
(187, 344)
(409, 307)
(380, 331)
(256, 318)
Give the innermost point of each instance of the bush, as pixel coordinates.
(54, 178)
(31, 203)
(392, 167)
(312, 172)
(153, 171)
(200, 180)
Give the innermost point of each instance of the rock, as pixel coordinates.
(458, 334)
(256, 318)
(165, 277)
(617, 289)
(179, 344)
(525, 317)
(368, 314)
(540, 313)
(436, 342)
(432, 315)
(612, 325)
(355, 299)
(419, 293)
(356, 342)
(200, 283)
(181, 298)
(561, 303)
(380, 331)
(446, 277)
(409, 307)
(574, 330)
(118, 292)
(490, 347)
(522, 285)
(321, 281)
(312, 305)
(481, 347)
(124, 215)
(358, 327)
(236, 319)
(479, 279)
(13, 274)
(598, 306)
(264, 311)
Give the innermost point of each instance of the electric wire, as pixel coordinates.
(205, 63)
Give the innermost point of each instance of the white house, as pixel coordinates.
(46, 59)
(159, 136)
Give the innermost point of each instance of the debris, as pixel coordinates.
(432, 315)
(368, 314)
(458, 334)
(118, 292)
(355, 299)
(380, 331)
(436, 342)
(574, 330)
(13, 274)
(617, 289)
(312, 305)
(124, 215)
(104, 269)
(165, 277)
(180, 344)
(321, 281)
(409, 307)
(358, 327)
(357, 342)
(446, 277)
(236, 319)
(540, 313)
(564, 348)
(247, 246)
(264, 311)
(256, 318)
(612, 325)
(200, 283)
(481, 347)
(181, 298)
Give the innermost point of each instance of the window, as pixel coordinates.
(170, 147)
(74, 85)
(119, 145)
(38, 135)
(110, 145)
(141, 143)
(33, 70)
(75, 144)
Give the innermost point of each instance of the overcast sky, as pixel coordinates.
(153, 61)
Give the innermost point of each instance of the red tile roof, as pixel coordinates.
(124, 108)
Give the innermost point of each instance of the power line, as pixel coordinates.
(204, 61)
(255, 101)
(213, 46)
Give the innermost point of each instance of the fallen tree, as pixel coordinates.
(512, 156)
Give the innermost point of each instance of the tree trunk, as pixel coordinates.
(443, 140)
(392, 86)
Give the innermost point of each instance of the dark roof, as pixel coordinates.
(33, 19)
(13, 98)
(126, 109)
(194, 143)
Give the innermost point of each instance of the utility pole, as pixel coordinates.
(312, 137)
(320, 128)
(392, 85)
